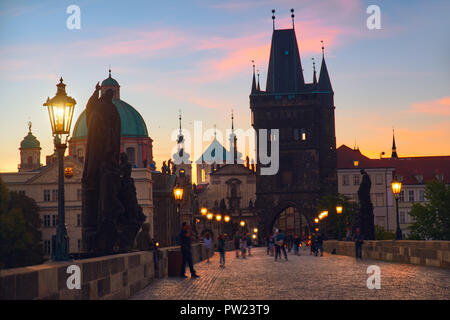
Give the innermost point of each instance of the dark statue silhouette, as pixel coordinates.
(111, 216)
(366, 208)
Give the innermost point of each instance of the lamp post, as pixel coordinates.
(60, 111)
(210, 216)
(178, 195)
(396, 188)
(219, 221)
(339, 210)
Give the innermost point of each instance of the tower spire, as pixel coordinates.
(257, 85)
(180, 134)
(314, 71)
(324, 78)
(29, 126)
(394, 148)
(254, 80)
(273, 19)
(292, 16)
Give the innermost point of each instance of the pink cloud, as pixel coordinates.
(435, 107)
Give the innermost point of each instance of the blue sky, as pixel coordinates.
(195, 56)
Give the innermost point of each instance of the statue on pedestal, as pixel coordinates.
(366, 217)
(111, 216)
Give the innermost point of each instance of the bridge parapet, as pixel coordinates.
(110, 277)
(425, 253)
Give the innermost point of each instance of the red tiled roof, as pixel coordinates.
(409, 168)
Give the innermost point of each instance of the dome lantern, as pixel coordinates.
(111, 83)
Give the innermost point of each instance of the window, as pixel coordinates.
(47, 220)
(80, 153)
(78, 220)
(355, 163)
(21, 192)
(78, 194)
(402, 217)
(131, 156)
(378, 179)
(296, 134)
(345, 180)
(54, 220)
(411, 195)
(55, 195)
(47, 248)
(402, 196)
(46, 195)
(356, 180)
(421, 195)
(379, 199)
(203, 177)
(79, 244)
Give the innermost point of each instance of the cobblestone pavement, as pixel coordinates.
(259, 277)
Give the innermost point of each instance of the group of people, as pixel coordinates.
(278, 242)
(208, 243)
(242, 244)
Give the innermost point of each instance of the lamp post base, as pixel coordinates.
(60, 250)
(398, 234)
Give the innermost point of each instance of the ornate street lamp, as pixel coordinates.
(255, 230)
(226, 218)
(204, 211)
(396, 188)
(209, 216)
(178, 195)
(339, 209)
(242, 223)
(60, 111)
(316, 220)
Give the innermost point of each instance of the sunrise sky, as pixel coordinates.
(196, 56)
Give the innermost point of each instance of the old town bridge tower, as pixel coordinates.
(304, 115)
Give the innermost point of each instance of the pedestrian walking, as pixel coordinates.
(207, 242)
(296, 244)
(236, 240)
(359, 240)
(249, 244)
(319, 244)
(280, 245)
(185, 241)
(221, 249)
(243, 245)
(313, 244)
(271, 244)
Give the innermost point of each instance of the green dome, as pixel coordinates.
(110, 82)
(132, 124)
(30, 142)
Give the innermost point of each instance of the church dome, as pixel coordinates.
(132, 123)
(110, 81)
(30, 141)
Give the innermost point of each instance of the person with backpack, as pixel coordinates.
(279, 243)
(221, 249)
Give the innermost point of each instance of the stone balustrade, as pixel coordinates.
(110, 277)
(425, 253)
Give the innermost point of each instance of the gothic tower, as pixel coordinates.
(304, 115)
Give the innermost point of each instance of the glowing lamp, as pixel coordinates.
(339, 209)
(396, 188)
(60, 110)
(242, 223)
(218, 217)
(204, 211)
(209, 216)
(178, 193)
(255, 230)
(226, 218)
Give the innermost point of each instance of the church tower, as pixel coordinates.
(304, 115)
(181, 159)
(30, 152)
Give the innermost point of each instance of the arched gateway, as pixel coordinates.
(303, 113)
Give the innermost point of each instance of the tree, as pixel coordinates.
(338, 223)
(382, 234)
(432, 220)
(20, 237)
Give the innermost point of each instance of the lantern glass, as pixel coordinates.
(339, 209)
(218, 217)
(226, 218)
(316, 220)
(396, 187)
(255, 230)
(204, 211)
(60, 110)
(178, 194)
(242, 223)
(209, 216)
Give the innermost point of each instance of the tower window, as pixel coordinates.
(203, 175)
(131, 156)
(300, 134)
(30, 161)
(46, 195)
